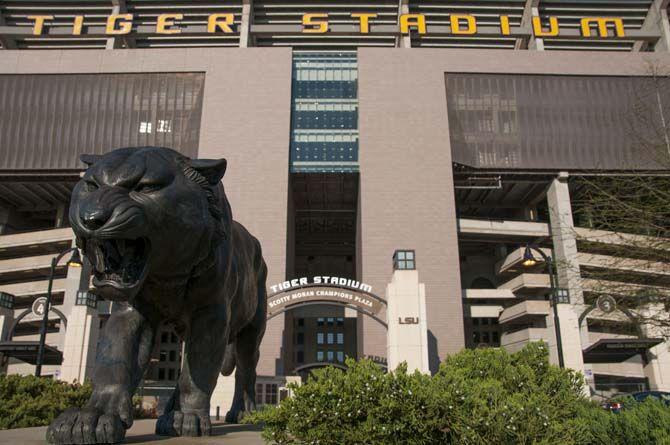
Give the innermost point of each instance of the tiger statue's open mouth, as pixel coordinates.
(120, 263)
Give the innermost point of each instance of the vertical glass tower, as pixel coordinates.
(324, 113)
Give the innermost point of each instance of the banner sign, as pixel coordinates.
(323, 289)
(318, 23)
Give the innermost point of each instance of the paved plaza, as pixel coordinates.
(142, 432)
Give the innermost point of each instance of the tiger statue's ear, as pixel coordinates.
(90, 159)
(212, 169)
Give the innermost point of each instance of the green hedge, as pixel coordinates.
(27, 401)
(482, 396)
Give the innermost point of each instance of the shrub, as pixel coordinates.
(478, 396)
(482, 396)
(646, 423)
(27, 401)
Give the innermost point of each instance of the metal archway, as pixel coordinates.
(319, 365)
(625, 311)
(330, 303)
(17, 320)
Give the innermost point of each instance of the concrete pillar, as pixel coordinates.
(404, 40)
(81, 339)
(407, 324)
(657, 369)
(6, 319)
(565, 253)
(222, 397)
(245, 25)
(535, 43)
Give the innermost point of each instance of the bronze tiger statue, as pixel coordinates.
(158, 231)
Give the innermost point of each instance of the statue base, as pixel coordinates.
(142, 432)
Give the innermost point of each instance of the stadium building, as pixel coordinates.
(371, 146)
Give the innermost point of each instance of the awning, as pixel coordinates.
(27, 351)
(616, 350)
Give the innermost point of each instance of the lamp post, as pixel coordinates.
(530, 261)
(74, 261)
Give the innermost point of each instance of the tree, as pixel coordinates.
(628, 213)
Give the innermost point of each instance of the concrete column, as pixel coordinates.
(534, 42)
(660, 7)
(6, 319)
(565, 254)
(404, 40)
(81, 340)
(407, 325)
(656, 21)
(222, 397)
(529, 9)
(657, 370)
(245, 26)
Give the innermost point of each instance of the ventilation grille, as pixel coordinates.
(487, 13)
(285, 16)
(16, 12)
(570, 13)
(196, 13)
(286, 12)
(95, 12)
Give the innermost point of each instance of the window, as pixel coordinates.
(171, 374)
(340, 321)
(145, 127)
(300, 357)
(162, 356)
(164, 126)
(174, 338)
(301, 338)
(331, 321)
(319, 356)
(319, 338)
(404, 260)
(331, 356)
(271, 393)
(164, 337)
(161, 374)
(173, 356)
(259, 393)
(301, 322)
(331, 338)
(319, 321)
(6, 300)
(340, 356)
(340, 338)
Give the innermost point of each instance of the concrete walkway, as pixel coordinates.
(142, 432)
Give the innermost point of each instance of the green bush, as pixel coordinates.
(482, 396)
(27, 401)
(646, 423)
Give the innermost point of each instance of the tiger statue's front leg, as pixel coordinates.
(123, 354)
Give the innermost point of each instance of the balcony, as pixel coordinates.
(35, 243)
(488, 294)
(515, 341)
(624, 264)
(525, 311)
(512, 263)
(503, 228)
(528, 285)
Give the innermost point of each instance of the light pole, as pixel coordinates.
(75, 261)
(529, 261)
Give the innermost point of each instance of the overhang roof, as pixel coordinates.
(616, 350)
(27, 351)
